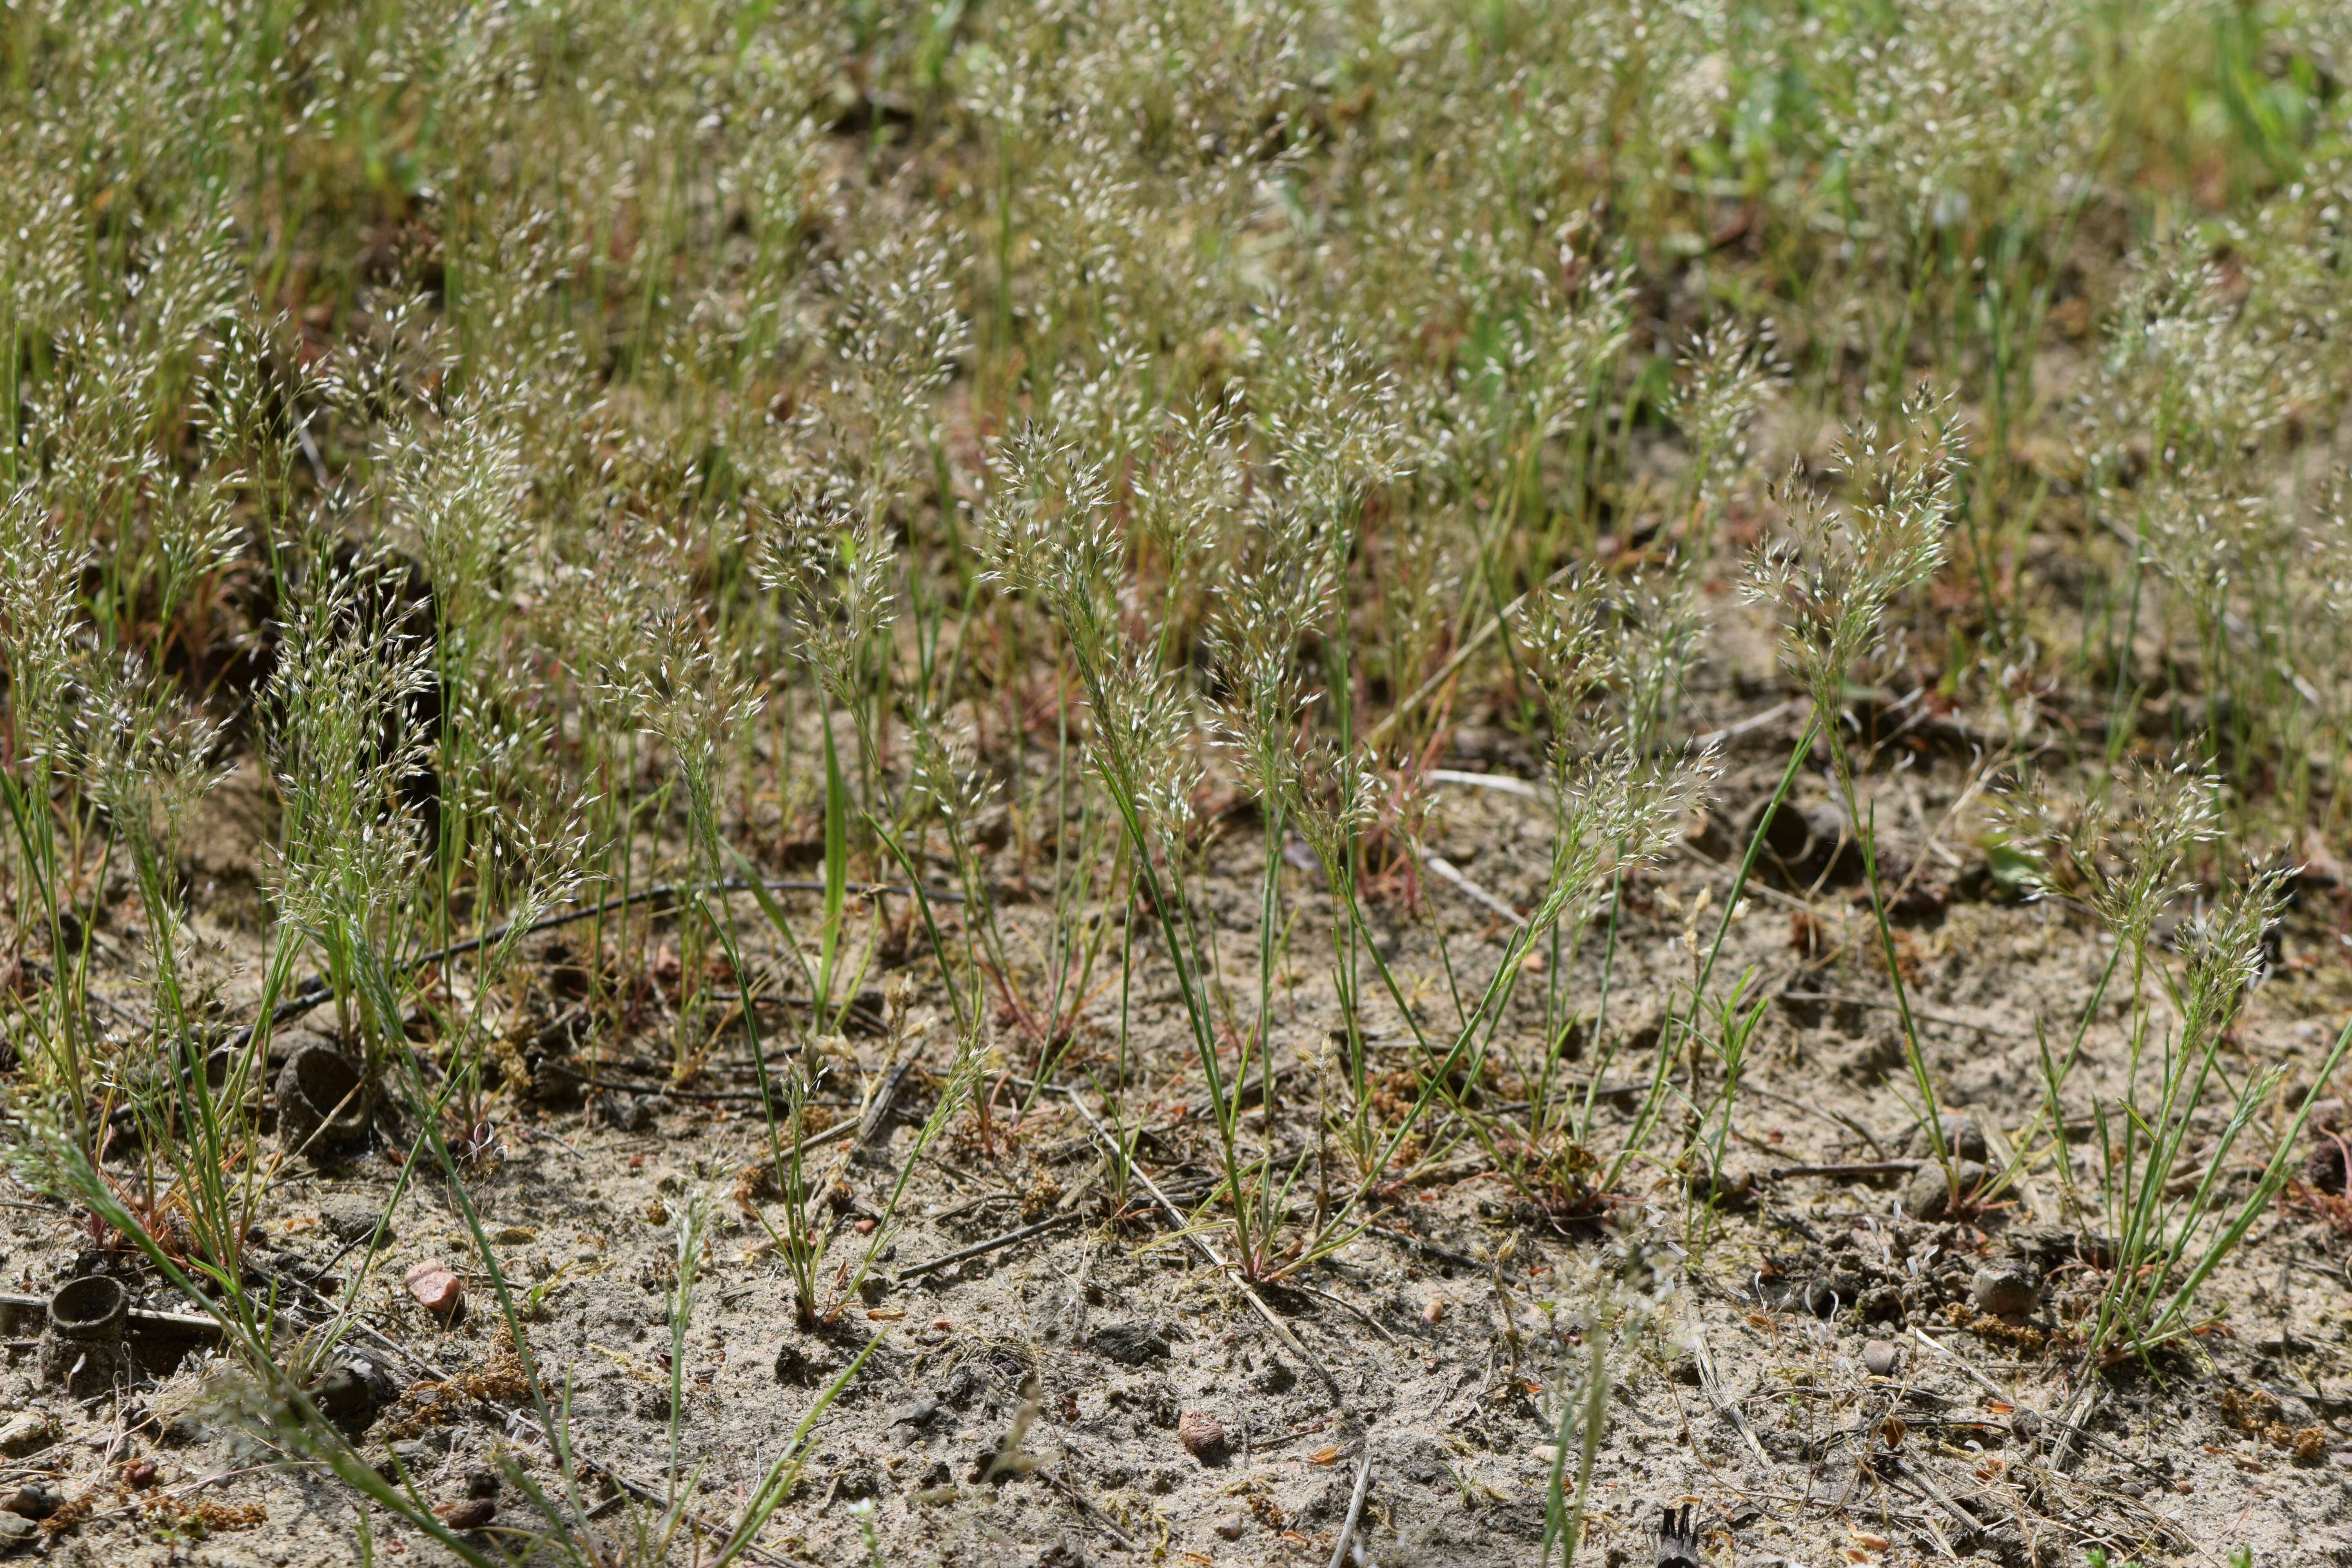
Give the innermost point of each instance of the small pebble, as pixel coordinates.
(1928, 1195)
(2341, 1458)
(1231, 1526)
(914, 1413)
(1201, 1434)
(15, 1528)
(24, 1433)
(34, 1499)
(1879, 1358)
(471, 1514)
(1434, 1312)
(434, 1286)
(352, 1219)
(2005, 1290)
(139, 1474)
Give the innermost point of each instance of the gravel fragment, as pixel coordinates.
(1203, 1434)
(1928, 1196)
(436, 1287)
(2005, 1290)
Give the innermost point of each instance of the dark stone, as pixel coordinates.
(34, 1499)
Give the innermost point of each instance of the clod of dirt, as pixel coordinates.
(2005, 1290)
(1201, 1434)
(1274, 1377)
(626, 1112)
(1926, 1195)
(1731, 1192)
(1805, 842)
(325, 1102)
(2324, 1170)
(470, 1514)
(482, 1481)
(434, 1286)
(34, 1499)
(1130, 1344)
(1963, 1138)
(25, 1432)
(1879, 1359)
(857, 1478)
(139, 1474)
(353, 1218)
(416, 1454)
(353, 1390)
(796, 1367)
(914, 1413)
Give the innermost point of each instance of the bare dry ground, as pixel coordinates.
(1810, 1364)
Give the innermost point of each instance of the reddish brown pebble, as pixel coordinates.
(941, 1323)
(1433, 1313)
(1201, 1434)
(471, 1514)
(139, 1474)
(864, 1228)
(433, 1286)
